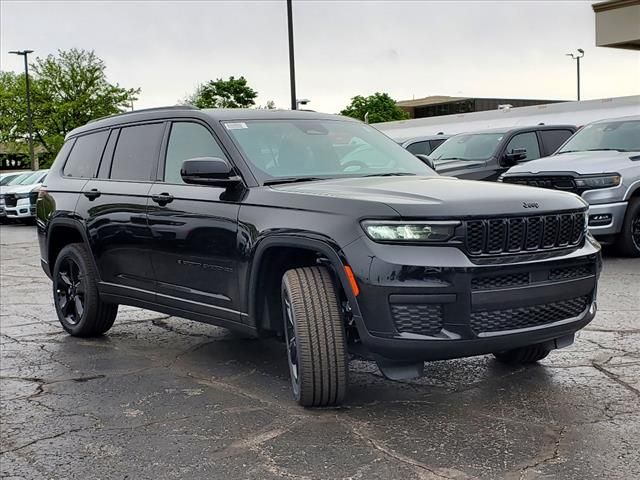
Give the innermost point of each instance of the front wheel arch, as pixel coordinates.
(323, 251)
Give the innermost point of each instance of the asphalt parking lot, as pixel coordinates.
(160, 397)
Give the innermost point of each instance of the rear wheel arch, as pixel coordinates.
(63, 232)
(272, 258)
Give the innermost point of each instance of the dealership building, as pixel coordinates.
(435, 106)
(618, 24)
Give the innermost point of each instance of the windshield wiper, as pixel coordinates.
(596, 150)
(606, 150)
(277, 181)
(391, 174)
(456, 158)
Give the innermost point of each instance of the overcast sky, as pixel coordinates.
(343, 48)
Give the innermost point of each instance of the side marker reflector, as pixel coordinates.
(352, 280)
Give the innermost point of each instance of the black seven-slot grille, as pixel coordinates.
(526, 317)
(494, 236)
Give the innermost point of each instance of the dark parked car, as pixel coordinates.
(487, 154)
(314, 228)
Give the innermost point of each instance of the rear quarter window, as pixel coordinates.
(85, 155)
(552, 139)
(136, 153)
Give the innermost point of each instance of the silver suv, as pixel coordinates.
(601, 163)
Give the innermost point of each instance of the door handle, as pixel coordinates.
(162, 198)
(92, 194)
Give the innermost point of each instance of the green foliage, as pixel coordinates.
(231, 93)
(67, 90)
(380, 106)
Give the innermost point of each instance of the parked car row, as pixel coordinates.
(18, 194)
(600, 162)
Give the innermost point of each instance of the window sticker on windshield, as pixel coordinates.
(235, 125)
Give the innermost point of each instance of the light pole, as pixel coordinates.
(292, 66)
(577, 59)
(25, 53)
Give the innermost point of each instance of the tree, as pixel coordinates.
(231, 93)
(380, 107)
(67, 91)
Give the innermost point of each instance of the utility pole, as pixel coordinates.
(25, 54)
(577, 59)
(292, 66)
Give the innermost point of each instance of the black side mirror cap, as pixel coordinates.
(515, 155)
(426, 160)
(212, 171)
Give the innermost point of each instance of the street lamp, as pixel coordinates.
(292, 67)
(302, 101)
(25, 53)
(577, 59)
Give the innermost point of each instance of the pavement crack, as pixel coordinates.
(552, 457)
(42, 439)
(616, 378)
(425, 472)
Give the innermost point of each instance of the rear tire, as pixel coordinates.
(315, 337)
(75, 294)
(528, 354)
(628, 241)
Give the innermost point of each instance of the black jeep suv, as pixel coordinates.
(315, 228)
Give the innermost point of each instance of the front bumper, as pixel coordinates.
(613, 215)
(432, 303)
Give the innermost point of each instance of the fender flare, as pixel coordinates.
(633, 188)
(70, 223)
(330, 251)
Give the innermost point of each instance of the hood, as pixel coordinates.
(436, 196)
(580, 162)
(457, 165)
(20, 188)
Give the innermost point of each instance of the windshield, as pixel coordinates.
(616, 135)
(8, 178)
(299, 149)
(17, 180)
(468, 146)
(35, 177)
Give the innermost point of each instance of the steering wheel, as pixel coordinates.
(354, 163)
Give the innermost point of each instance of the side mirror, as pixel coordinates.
(426, 160)
(209, 171)
(513, 157)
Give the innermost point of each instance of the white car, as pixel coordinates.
(18, 200)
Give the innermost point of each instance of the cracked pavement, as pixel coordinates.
(162, 397)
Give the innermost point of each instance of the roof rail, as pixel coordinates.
(144, 110)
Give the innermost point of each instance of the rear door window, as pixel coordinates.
(85, 155)
(136, 152)
(552, 139)
(528, 141)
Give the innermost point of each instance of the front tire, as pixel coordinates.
(75, 294)
(523, 355)
(628, 242)
(315, 337)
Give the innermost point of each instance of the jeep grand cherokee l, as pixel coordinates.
(315, 228)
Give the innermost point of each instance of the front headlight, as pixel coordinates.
(427, 231)
(22, 195)
(603, 181)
